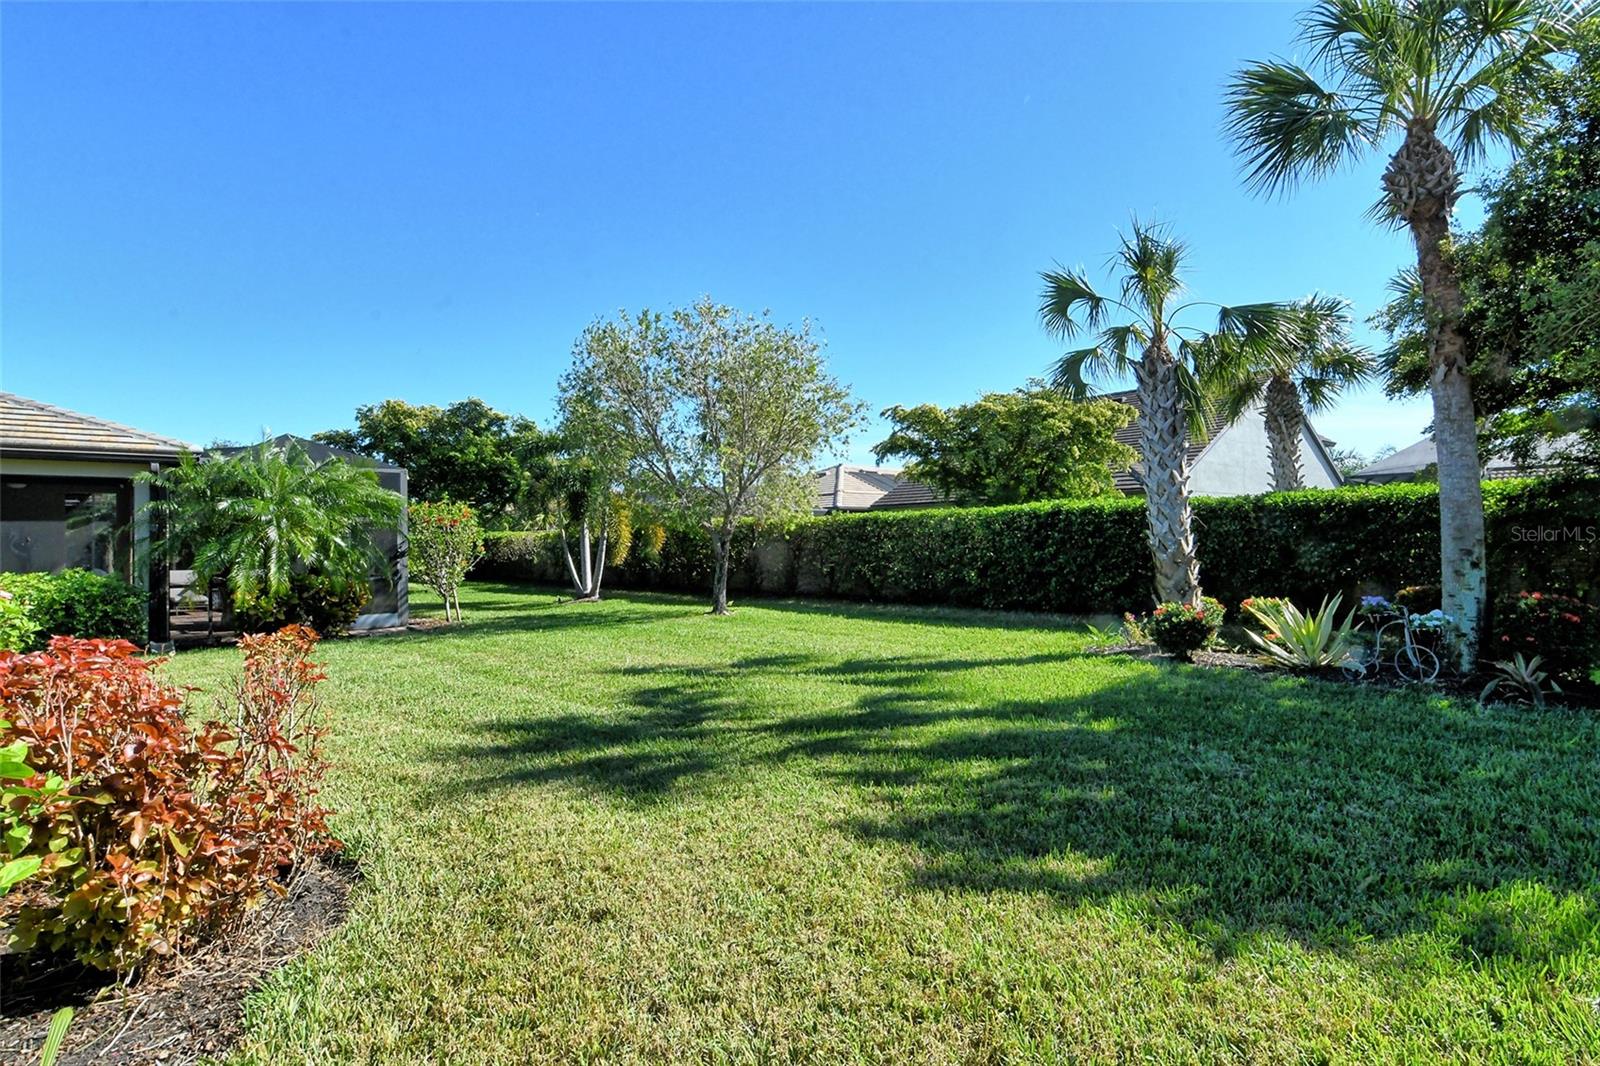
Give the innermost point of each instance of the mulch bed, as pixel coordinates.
(1232, 659)
(183, 1010)
(1447, 682)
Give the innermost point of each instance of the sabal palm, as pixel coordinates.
(1305, 373)
(1448, 79)
(1164, 356)
(261, 516)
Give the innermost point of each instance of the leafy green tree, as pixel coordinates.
(445, 541)
(467, 452)
(272, 521)
(1530, 280)
(1012, 447)
(1448, 79)
(1304, 374)
(1164, 355)
(720, 415)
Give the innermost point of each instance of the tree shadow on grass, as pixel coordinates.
(1230, 803)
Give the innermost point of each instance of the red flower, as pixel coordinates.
(1572, 618)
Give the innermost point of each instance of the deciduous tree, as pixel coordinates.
(1012, 447)
(720, 414)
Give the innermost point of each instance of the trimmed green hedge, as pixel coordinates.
(1089, 556)
(80, 603)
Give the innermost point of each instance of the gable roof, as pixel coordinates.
(316, 450)
(31, 429)
(843, 487)
(1413, 459)
(1129, 481)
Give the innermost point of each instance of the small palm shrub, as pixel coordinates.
(78, 603)
(294, 539)
(136, 832)
(1297, 640)
(1562, 631)
(1181, 630)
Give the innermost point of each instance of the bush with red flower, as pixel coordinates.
(1181, 630)
(132, 832)
(1562, 630)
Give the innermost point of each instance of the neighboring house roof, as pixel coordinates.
(1129, 481)
(843, 487)
(910, 493)
(318, 451)
(1411, 461)
(30, 429)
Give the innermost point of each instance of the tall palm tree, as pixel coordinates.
(1305, 373)
(1448, 79)
(1164, 357)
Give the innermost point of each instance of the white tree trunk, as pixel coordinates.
(1422, 184)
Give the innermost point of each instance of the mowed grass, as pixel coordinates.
(810, 832)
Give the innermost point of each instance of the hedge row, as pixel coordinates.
(1089, 556)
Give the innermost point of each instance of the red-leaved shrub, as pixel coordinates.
(153, 833)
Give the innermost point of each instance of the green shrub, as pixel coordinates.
(1251, 607)
(1561, 630)
(326, 604)
(1181, 630)
(80, 603)
(1420, 599)
(17, 630)
(1090, 556)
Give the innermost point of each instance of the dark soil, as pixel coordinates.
(184, 1009)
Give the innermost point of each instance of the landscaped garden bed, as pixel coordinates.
(189, 1009)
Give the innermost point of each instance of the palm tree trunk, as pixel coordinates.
(1164, 443)
(1422, 184)
(1284, 419)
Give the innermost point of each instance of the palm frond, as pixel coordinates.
(1071, 373)
(1152, 262)
(1068, 304)
(1289, 128)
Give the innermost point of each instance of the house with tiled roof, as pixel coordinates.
(843, 487)
(68, 494)
(1228, 460)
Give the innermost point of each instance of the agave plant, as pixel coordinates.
(1302, 641)
(1523, 678)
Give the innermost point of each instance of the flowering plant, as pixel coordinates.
(1562, 630)
(1435, 621)
(1181, 630)
(1376, 605)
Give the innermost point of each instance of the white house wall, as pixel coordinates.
(1236, 463)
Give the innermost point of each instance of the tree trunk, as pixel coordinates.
(1282, 414)
(1422, 184)
(588, 561)
(572, 567)
(599, 566)
(1163, 442)
(721, 544)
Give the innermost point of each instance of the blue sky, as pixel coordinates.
(219, 218)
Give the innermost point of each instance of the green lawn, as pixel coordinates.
(633, 832)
